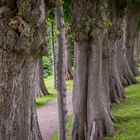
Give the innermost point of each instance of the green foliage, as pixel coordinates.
(108, 24)
(48, 60)
(47, 65)
(67, 10)
(56, 32)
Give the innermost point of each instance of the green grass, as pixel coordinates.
(69, 85)
(41, 101)
(127, 114)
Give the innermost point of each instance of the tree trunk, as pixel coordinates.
(17, 97)
(91, 117)
(115, 34)
(131, 60)
(110, 55)
(132, 23)
(53, 54)
(136, 47)
(40, 88)
(106, 54)
(127, 77)
(116, 88)
(60, 73)
(22, 38)
(139, 45)
(68, 62)
(124, 71)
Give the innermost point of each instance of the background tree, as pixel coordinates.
(133, 13)
(60, 71)
(115, 35)
(40, 88)
(68, 55)
(68, 41)
(53, 52)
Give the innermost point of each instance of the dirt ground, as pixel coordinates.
(48, 117)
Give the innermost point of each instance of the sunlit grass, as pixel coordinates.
(41, 101)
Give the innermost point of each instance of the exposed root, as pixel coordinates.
(78, 133)
(99, 128)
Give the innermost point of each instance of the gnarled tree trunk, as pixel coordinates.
(91, 115)
(17, 97)
(22, 37)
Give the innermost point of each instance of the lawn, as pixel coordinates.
(127, 114)
(41, 101)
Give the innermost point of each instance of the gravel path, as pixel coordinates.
(48, 117)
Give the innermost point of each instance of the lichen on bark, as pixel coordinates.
(22, 41)
(92, 116)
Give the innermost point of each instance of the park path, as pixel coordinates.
(48, 117)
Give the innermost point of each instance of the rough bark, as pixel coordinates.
(131, 60)
(132, 23)
(40, 88)
(111, 71)
(106, 53)
(125, 73)
(91, 117)
(22, 38)
(60, 73)
(138, 44)
(17, 98)
(136, 47)
(114, 34)
(116, 88)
